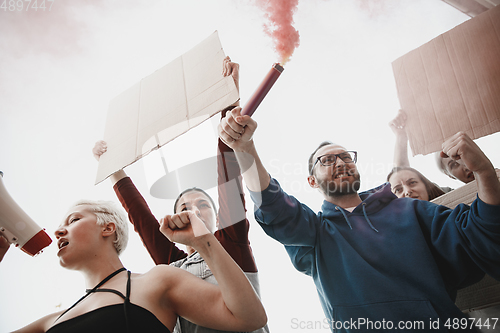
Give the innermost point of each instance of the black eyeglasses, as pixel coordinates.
(331, 159)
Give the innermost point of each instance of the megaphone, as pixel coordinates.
(18, 227)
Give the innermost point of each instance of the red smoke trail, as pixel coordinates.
(279, 28)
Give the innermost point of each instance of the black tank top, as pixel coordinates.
(126, 317)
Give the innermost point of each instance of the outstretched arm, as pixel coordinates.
(397, 126)
(462, 147)
(234, 305)
(281, 216)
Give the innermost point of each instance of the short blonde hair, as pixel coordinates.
(106, 212)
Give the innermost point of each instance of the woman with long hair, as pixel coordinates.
(408, 182)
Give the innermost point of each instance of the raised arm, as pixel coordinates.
(234, 305)
(462, 147)
(233, 226)
(161, 250)
(397, 126)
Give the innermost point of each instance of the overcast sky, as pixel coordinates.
(60, 68)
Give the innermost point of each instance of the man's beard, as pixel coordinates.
(345, 187)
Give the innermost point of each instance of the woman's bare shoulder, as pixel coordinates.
(164, 273)
(40, 325)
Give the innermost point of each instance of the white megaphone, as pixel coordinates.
(17, 227)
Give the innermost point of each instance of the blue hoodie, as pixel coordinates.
(391, 261)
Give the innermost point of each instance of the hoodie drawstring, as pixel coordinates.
(345, 216)
(367, 219)
(364, 213)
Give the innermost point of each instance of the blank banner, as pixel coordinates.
(166, 104)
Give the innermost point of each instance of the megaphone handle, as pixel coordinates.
(9, 236)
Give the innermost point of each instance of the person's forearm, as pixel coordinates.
(488, 186)
(401, 152)
(237, 292)
(161, 250)
(254, 173)
(117, 176)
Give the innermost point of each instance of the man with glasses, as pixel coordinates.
(380, 263)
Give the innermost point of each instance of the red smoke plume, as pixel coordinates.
(279, 28)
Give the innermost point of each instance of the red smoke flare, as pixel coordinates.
(279, 28)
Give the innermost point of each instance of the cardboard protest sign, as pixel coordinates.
(452, 83)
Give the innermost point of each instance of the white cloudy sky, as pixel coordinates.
(59, 70)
